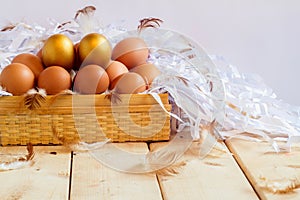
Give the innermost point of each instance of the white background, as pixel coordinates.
(257, 36)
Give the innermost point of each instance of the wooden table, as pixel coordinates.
(237, 169)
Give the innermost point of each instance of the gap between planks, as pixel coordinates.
(71, 175)
(217, 176)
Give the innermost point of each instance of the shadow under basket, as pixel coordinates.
(85, 118)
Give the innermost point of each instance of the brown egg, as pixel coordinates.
(148, 71)
(130, 83)
(32, 61)
(114, 70)
(113, 83)
(58, 50)
(132, 52)
(91, 79)
(94, 48)
(17, 78)
(54, 79)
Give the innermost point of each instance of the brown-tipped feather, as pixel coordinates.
(34, 99)
(113, 97)
(61, 138)
(171, 170)
(8, 28)
(86, 10)
(20, 162)
(149, 23)
(77, 145)
(182, 79)
(30, 152)
(280, 186)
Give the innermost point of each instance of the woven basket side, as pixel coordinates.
(20, 129)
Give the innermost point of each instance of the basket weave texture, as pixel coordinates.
(86, 118)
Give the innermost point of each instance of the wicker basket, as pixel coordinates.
(90, 118)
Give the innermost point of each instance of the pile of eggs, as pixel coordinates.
(98, 67)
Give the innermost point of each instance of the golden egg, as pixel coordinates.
(130, 83)
(32, 61)
(17, 78)
(94, 48)
(54, 79)
(58, 50)
(132, 52)
(91, 79)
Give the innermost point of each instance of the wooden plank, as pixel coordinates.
(217, 176)
(93, 180)
(47, 178)
(270, 173)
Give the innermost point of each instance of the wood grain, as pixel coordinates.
(270, 173)
(47, 178)
(93, 180)
(217, 176)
